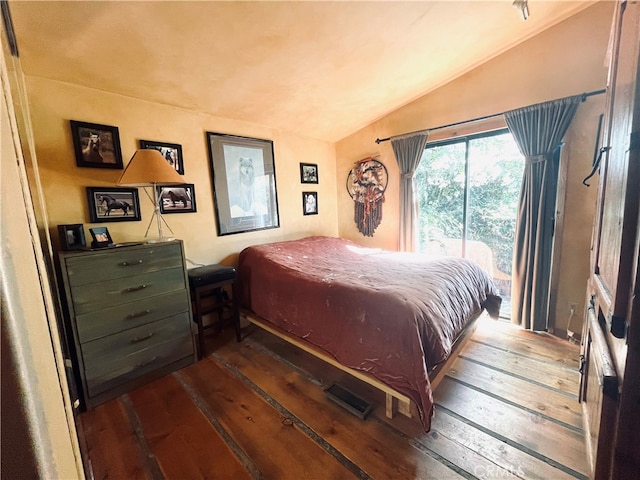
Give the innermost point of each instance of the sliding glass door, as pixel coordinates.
(467, 192)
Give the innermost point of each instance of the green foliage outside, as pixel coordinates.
(494, 180)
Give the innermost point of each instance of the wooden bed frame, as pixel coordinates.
(403, 402)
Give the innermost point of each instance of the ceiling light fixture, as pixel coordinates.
(523, 6)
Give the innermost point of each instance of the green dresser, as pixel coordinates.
(129, 312)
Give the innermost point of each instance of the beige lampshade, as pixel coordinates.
(147, 167)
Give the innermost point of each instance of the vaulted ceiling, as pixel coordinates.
(321, 69)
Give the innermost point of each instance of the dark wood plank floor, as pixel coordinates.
(507, 409)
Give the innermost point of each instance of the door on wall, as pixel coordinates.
(610, 381)
(468, 190)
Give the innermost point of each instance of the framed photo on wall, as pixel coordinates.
(96, 145)
(308, 173)
(113, 204)
(172, 152)
(243, 174)
(177, 198)
(310, 203)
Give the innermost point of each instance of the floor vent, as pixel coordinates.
(349, 400)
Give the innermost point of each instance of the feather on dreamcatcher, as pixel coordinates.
(366, 184)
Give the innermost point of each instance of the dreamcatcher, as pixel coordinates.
(366, 183)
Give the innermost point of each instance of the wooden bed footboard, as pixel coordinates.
(392, 397)
(437, 373)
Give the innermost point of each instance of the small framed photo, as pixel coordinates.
(101, 237)
(310, 203)
(113, 204)
(308, 173)
(172, 152)
(72, 236)
(96, 145)
(177, 198)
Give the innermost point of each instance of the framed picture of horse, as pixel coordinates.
(177, 198)
(96, 145)
(113, 204)
(172, 152)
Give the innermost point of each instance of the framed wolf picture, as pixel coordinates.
(244, 183)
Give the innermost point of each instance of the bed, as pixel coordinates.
(388, 316)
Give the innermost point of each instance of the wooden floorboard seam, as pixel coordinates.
(424, 449)
(573, 396)
(558, 365)
(303, 373)
(512, 443)
(427, 451)
(289, 416)
(461, 445)
(237, 450)
(151, 462)
(515, 404)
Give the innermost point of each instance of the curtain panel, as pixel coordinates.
(408, 150)
(538, 132)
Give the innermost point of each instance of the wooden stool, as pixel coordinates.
(208, 296)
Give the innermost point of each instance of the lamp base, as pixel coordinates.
(159, 239)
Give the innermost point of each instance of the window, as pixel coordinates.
(467, 192)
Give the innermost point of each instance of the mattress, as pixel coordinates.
(392, 315)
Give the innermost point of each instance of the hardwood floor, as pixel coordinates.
(507, 409)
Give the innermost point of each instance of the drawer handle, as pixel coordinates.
(139, 314)
(142, 339)
(129, 264)
(144, 364)
(135, 289)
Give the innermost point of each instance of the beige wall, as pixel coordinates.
(54, 103)
(572, 268)
(565, 60)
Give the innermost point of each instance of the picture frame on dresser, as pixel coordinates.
(101, 237)
(172, 152)
(71, 236)
(96, 145)
(113, 204)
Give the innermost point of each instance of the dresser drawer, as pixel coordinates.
(104, 377)
(112, 264)
(105, 350)
(98, 324)
(109, 357)
(97, 296)
(128, 316)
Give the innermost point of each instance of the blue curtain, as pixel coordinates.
(408, 150)
(538, 132)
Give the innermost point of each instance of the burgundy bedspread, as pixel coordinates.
(392, 315)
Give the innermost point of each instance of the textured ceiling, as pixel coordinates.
(320, 69)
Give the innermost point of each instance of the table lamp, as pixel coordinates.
(148, 168)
